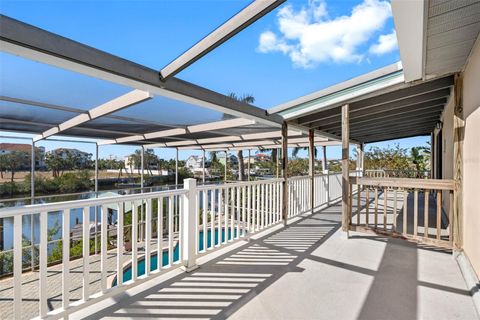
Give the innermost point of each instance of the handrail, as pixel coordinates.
(57, 206)
(438, 184)
(238, 184)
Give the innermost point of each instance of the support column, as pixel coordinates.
(142, 185)
(203, 167)
(311, 153)
(176, 168)
(326, 175)
(432, 152)
(278, 163)
(345, 170)
(324, 160)
(284, 172)
(458, 136)
(248, 165)
(189, 226)
(226, 162)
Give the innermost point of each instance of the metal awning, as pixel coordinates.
(379, 108)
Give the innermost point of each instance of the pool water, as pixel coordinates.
(127, 273)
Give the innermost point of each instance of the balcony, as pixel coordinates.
(249, 264)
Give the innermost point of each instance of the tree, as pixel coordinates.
(246, 98)
(3, 164)
(15, 160)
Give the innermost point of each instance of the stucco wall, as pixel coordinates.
(471, 159)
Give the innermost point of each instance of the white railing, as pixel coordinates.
(234, 210)
(170, 227)
(160, 221)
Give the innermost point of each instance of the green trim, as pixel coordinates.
(341, 92)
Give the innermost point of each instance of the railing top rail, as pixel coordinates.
(238, 184)
(431, 184)
(57, 206)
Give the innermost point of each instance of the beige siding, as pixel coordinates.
(471, 159)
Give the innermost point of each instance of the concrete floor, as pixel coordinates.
(308, 271)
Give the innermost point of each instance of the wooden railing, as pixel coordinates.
(405, 208)
(387, 173)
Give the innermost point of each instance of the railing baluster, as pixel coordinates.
(205, 217)
(405, 211)
(254, 208)
(170, 231)
(238, 211)
(425, 214)
(385, 204)
(43, 252)
(148, 235)
(271, 195)
(160, 234)
(232, 216)
(212, 215)
(227, 211)
(180, 229)
(415, 212)
(219, 214)
(359, 208)
(376, 208)
(120, 215)
(395, 209)
(66, 259)
(263, 205)
(244, 209)
(439, 214)
(17, 266)
(450, 218)
(367, 205)
(249, 207)
(350, 202)
(134, 239)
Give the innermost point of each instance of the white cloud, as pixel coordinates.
(309, 36)
(386, 43)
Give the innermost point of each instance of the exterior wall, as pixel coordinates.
(471, 159)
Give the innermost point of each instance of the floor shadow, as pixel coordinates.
(220, 287)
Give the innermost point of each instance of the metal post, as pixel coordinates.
(278, 163)
(32, 174)
(176, 168)
(32, 196)
(284, 172)
(142, 185)
(96, 169)
(142, 164)
(96, 196)
(324, 160)
(203, 175)
(248, 165)
(311, 153)
(345, 170)
(226, 161)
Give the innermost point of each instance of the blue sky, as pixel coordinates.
(300, 47)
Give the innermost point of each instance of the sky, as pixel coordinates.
(300, 47)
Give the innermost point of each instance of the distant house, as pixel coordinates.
(194, 163)
(232, 160)
(262, 157)
(81, 158)
(7, 148)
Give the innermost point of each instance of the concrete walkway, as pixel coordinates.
(309, 271)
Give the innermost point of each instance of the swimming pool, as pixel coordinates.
(127, 272)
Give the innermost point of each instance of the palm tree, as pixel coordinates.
(246, 98)
(296, 150)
